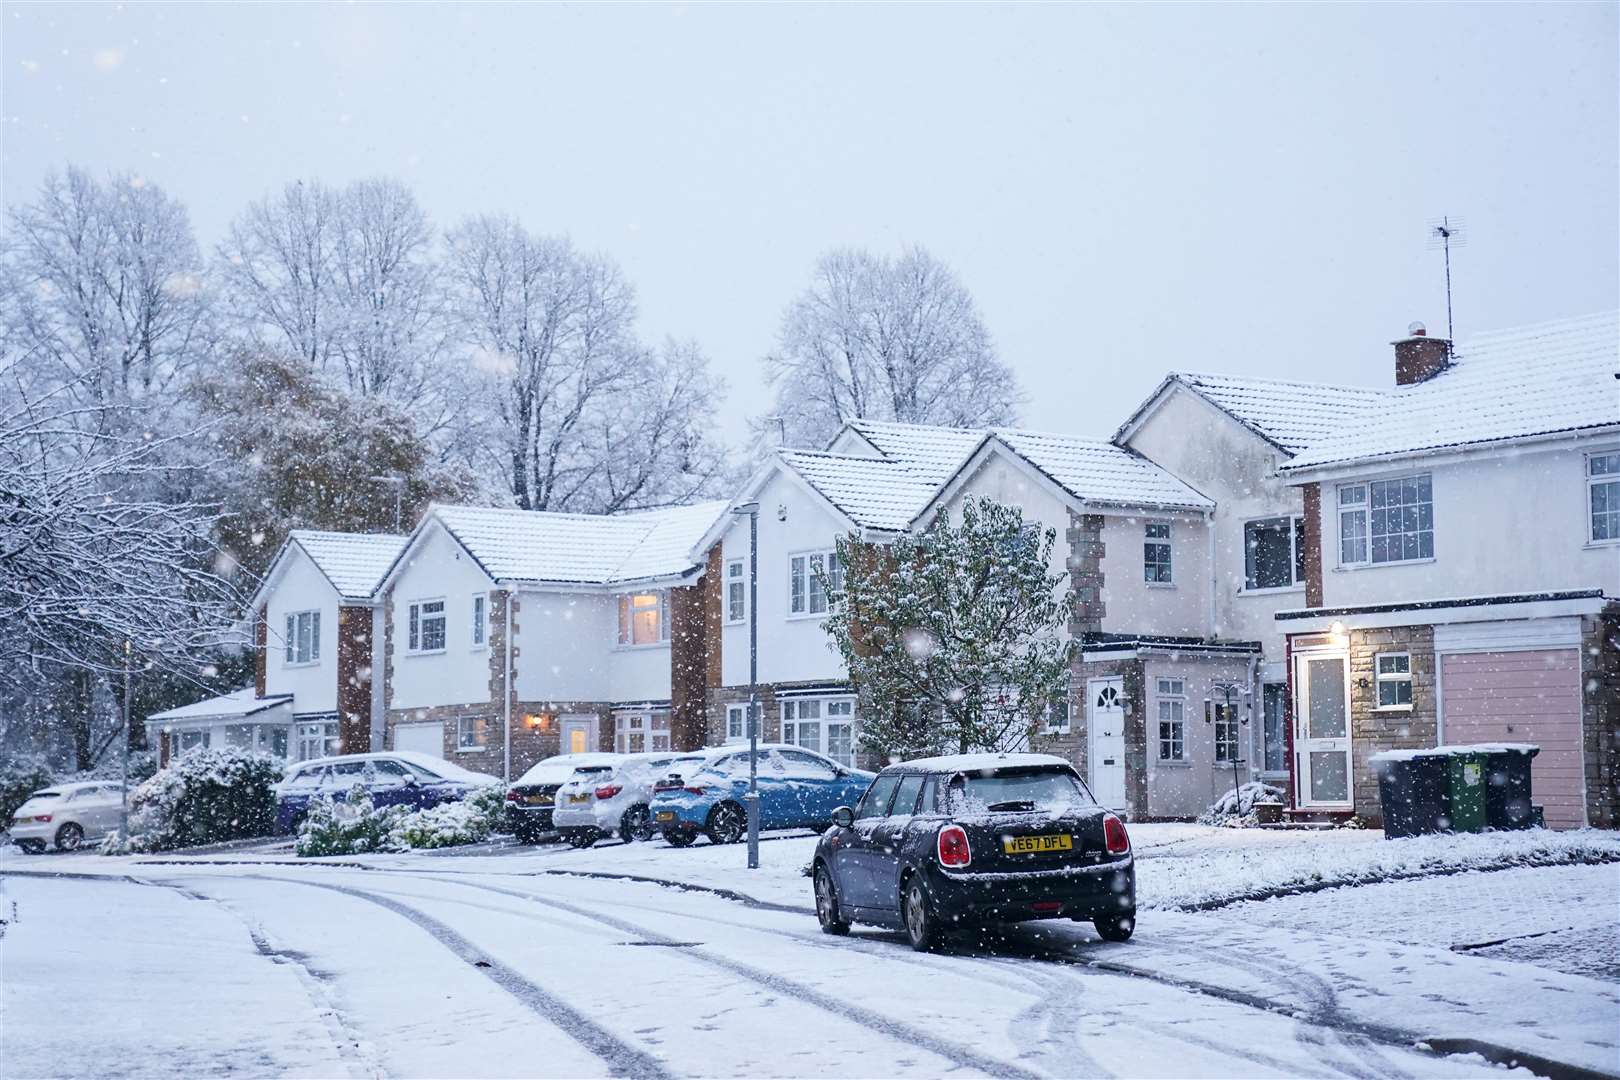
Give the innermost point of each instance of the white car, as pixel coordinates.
(532, 796)
(67, 815)
(604, 798)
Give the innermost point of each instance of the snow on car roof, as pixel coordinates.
(977, 762)
(447, 769)
(561, 767)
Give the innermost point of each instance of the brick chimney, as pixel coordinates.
(1419, 357)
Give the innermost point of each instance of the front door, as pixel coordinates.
(1322, 730)
(576, 734)
(1105, 720)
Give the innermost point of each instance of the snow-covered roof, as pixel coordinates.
(603, 549)
(875, 493)
(353, 562)
(1289, 415)
(243, 702)
(932, 453)
(1548, 379)
(1100, 472)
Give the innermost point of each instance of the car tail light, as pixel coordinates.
(693, 790)
(512, 795)
(953, 847)
(1115, 836)
(1046, 907)
(609, 791)
(42, 817)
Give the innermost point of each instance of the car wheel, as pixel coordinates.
(727, 824)
(1115, 927)
(581, 838)
(679, 837)
(32, 847)
(922, 929)
(69, 837)
(636, 825)
(827, 912)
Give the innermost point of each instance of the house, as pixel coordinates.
(316, 642)
(1462, 563)
(512, 635)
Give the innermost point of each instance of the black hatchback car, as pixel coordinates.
(967, 840)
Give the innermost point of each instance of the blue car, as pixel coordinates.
(798, 789)
(399, 778)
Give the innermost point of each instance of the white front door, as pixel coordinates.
(1105, 722)
(1322, 729)
(578, 734)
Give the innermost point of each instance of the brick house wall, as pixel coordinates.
(694, 654)
(1372, 731)
(1600, 715)
(261, 657)
(354, 678)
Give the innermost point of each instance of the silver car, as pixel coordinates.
(67, 815)
(610, 797)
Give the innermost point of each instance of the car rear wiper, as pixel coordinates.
(1016, 804)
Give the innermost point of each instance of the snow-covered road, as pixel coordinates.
(438, 969)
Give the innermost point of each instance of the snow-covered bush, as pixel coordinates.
(1237, 808)
(350, 827)
(18, 780)
(448, 824)
(204, 797)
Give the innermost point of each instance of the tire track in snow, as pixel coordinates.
(623, 1058)
(873, 1021)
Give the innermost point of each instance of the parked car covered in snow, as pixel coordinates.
(396, 778)
(66, 815)
(972, 839)
(608, 800)
(798, 789)
(531, 800)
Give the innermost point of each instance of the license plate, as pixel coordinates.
(579, 798)
(538, 800)
(1036, 845)
(666, 815)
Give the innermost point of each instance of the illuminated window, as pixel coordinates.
(643, 619)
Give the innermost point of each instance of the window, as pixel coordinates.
(1386, 521)
(1274, 553)
(824, 725)
(1273, 697)
(907, 793)
(875, 803)
(736, 592)
(736, 723)
(1172, 707)
(1156, 553)
(479, 631)
(1224, 717)
(799, 765)
(1056, 720)
(807, 734)
(643, 619)
(1603, 496)
(303, 637)
(817, 579)
(1394, 680)
(318, 740)
(636, 733)
(427, 626)
(472, 732)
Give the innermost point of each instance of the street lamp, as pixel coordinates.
(752, 799)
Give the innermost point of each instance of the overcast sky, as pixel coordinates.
(1124, 190)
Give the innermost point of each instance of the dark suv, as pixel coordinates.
(973, 839)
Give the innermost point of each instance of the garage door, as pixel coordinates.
(1533, 696)
(423, 738)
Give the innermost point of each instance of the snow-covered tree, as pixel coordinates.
(885, 338)
(586, 417)
(953, 637)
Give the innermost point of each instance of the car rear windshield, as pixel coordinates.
(1044, 789)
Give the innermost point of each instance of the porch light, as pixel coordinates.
(1337, 629)
(541, 722)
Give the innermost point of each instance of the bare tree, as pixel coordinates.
(887, 339)
(107, 295)
(277, 268)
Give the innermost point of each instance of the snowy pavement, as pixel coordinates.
(489, 963)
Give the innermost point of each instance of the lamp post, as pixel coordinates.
(752, 799)
(123, 770)
(1228, 691)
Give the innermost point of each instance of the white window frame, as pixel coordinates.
(625, 625)
(1150, 543)
(736, 597)
(837, 710)
(1363, 507)
(1057, 719)
(472, 733)
(1176, 716)
(293, 653)
(1227, 729)
(1393, 678)
(737, 723)
(416, 620)
(803, 587)
(1594, 481)
(1297, 580)
(480, 621)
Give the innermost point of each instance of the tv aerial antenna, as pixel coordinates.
(1446, 233)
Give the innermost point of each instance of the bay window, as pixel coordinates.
(1386, 521)
(643, 618)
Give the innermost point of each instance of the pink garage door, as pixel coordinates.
(1526, 697)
